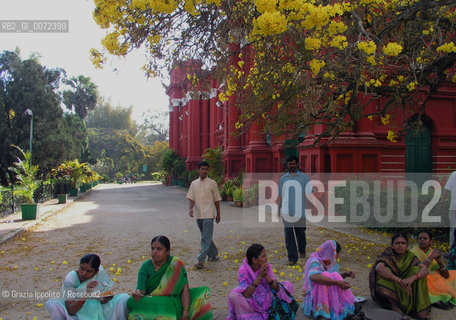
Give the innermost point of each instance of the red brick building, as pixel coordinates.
(198, 120)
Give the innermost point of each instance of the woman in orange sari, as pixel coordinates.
(441, 282)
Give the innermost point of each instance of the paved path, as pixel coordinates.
(118, 222)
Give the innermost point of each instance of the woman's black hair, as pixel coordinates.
(91, 259)
(338, 247)
(254, 251)
(399, 235)
(424, 231)
(163, 240)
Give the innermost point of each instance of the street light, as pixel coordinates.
(29, 113)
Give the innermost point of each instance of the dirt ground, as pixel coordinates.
(118, 221)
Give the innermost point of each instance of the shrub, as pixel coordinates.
(228, 188)
(238, 194)
(216, 168)
(25, 175)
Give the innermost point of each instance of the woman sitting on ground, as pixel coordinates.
(441, 282)
(162, 290)
(397, 281)
(79, 289)
(252, 297)
(326, 294)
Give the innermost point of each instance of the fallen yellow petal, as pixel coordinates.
(39, 305)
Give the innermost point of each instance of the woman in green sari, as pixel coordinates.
(163, 292)
(397, 281)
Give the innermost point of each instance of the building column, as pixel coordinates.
(258, 153)
(194, 126)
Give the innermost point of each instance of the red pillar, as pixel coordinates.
(175, 129)
(194, 127)
(234, 157)
(204, 125)
(258, 153)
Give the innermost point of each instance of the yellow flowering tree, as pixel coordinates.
(321, 61)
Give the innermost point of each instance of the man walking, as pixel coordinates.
(293, 188)
(204, 196)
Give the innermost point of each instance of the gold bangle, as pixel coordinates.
(254, 285)
(186, 308)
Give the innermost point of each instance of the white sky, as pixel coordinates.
(127, 86)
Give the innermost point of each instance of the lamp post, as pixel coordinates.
(29, 113)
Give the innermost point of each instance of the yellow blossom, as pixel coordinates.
(412, 85)
(447, 48)
(392, 136)
(368, 47)
(266, 5)
(371, 60)
(339, 42)
(312, 43)
(392, 49)
(270, 23)
(316, 65)
(386, 119)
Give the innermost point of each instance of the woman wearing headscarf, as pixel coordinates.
(326, 294)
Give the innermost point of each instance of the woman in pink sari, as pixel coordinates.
(326, 294)
(251, 299)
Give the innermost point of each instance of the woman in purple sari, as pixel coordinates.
(251, 299)
(326, 294)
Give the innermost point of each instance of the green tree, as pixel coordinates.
(82, 97)
(26, 84)
(112, 139)
(154, 128)
(108, 117)
(154, 154)
(321, 61)
(126, 152)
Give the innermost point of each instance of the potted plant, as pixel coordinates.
(76, 174)
(238, 196)
(26, 184)
(62, 178)
(228, 188)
